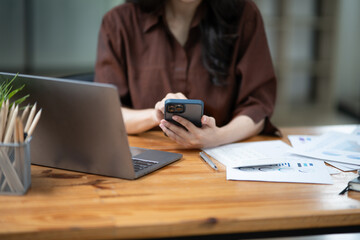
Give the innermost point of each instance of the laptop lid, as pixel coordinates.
(81, 127)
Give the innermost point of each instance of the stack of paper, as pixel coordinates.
(268, 161)
(278, 162)
(356, 131)
(337, 149)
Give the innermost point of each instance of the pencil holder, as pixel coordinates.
(15, 171)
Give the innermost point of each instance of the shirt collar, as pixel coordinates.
(199, 15)
(151, 19)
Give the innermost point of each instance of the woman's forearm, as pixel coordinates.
(240, 128)
(137, 121)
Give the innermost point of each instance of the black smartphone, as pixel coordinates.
(190, 109)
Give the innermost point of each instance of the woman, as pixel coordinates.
(211, 50)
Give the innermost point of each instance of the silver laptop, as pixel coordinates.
(81, 129)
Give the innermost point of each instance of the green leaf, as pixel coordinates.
(7, 92)
(20, 100)
(11, 94)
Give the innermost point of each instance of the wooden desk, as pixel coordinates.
(183, 199)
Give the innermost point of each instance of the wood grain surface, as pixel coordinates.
(186, 198)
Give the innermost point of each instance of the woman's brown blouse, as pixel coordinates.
(139, 55)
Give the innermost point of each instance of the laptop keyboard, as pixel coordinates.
(140, 165)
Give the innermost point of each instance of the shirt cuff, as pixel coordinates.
(256, 113)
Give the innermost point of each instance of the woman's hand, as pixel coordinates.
(209, 135)
(193, 137)
(159, 106)
(140, 120)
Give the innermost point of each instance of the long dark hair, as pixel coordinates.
(218, 28)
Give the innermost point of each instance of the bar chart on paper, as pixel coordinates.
(335, 148)
(294, 169)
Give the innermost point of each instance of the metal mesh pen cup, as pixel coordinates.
(15, 170)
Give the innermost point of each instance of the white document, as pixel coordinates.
(292, 169)
(344, 166)
(338, 147)
(249, 154)
(268, 161)
(333, 170)
(301, 140)
(356, 131)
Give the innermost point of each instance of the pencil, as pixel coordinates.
(6, 110)
(20, 127)
(11, 112)
(16, 131)
(5, 118)
(25, 113)
(10, 127)
(30, 118)
(2, 119)
(33, 124)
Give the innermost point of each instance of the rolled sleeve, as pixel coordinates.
(110, 64)
(255, 72)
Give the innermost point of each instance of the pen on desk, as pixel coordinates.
(208, 160)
